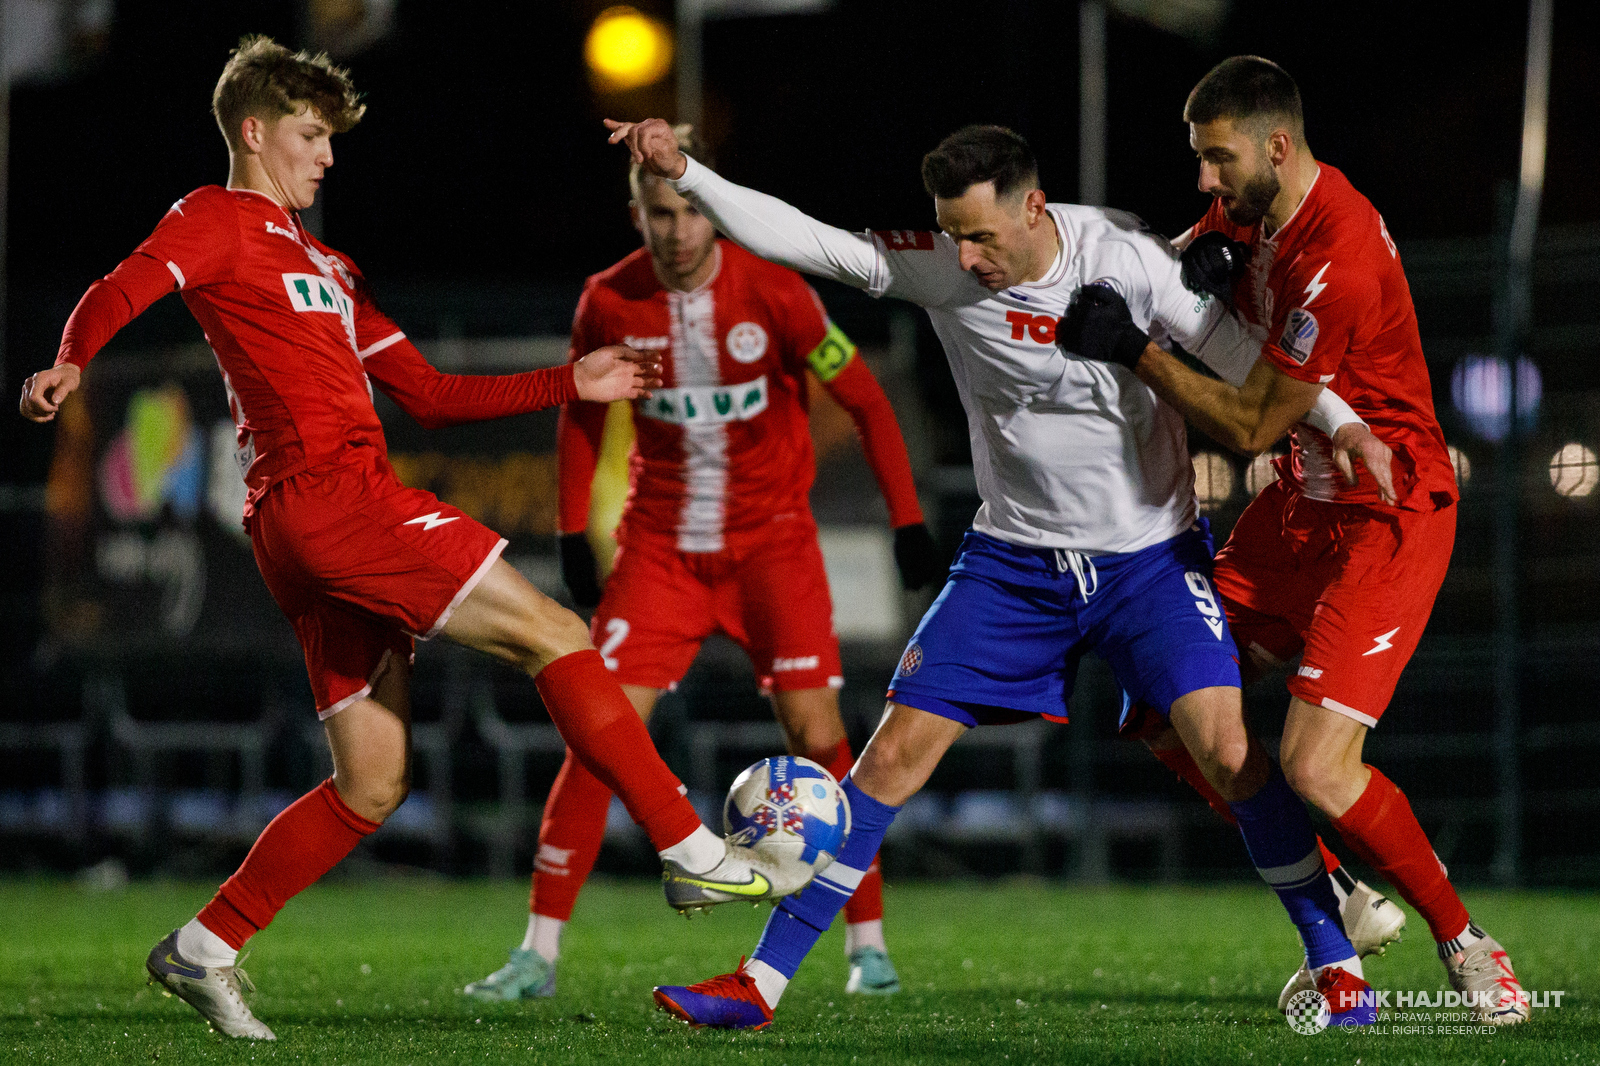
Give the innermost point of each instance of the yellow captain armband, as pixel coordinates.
(830, 357)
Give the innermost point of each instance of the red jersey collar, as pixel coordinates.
(1301, 206)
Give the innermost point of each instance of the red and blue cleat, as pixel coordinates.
(730, 1001)
(1350, 999)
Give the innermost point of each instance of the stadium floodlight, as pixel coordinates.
(1481, 389)
(627, 49)
(1574, 470)
(1213, 479)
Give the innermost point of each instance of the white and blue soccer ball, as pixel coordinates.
(791, 814)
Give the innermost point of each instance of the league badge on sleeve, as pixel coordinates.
(1299, 335)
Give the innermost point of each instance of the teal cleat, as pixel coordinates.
(529, 975)
(871, 974)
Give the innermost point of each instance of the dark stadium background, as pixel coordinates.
(479, 192)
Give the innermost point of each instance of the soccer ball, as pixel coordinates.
(792, 815)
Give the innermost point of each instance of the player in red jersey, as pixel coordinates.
(358, 562)
(718, 533)
(1342, 573)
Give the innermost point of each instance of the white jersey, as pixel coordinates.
(1069, 453)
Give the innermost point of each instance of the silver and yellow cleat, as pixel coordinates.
(217, 992)
(734, 878)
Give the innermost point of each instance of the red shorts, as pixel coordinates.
(1349, 584)
(769, 593)
(360, 564)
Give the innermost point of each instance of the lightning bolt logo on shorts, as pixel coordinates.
(429, 521)
(1382, 643)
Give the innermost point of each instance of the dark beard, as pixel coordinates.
(1254, 198)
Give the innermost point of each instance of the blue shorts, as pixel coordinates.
(1004, 638)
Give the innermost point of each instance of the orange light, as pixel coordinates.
(627, 49)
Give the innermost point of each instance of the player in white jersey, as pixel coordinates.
(1088, 537)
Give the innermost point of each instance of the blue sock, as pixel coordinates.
(799, 920)
(1277, 832)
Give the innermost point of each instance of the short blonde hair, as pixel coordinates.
(265, 80)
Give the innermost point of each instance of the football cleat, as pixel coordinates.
(529, 975)
(730, 1001)
(735, 878)
(1371, 921)
(1350, 999)
(215, 991)
(871, 974)
(1482, 971)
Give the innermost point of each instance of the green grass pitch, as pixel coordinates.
(998, 973)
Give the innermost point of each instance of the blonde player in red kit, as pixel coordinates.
(1342, 572)
(359, 563)
(718, 533)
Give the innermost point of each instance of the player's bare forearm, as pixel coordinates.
(1247, 419)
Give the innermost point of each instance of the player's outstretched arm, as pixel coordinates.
(437, 400)
(43, 392)
(764, 224)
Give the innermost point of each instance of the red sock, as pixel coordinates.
(301, 844)
(601, 727)
(1381, 829)
(866, 905)
(1179, 761)
(570, 835)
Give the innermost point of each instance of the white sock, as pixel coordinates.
(699, 852)
(203, 947)
(544, 936)
(1351, 966)
(864, 935)
(769, 982)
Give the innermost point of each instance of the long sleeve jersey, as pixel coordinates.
(1068, 453)
(296, 335)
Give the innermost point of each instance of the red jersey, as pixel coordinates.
(724, 446)
(295, 333)
(1328, 291)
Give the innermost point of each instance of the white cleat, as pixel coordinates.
(215, 991)
(1371, 921)
(738, 877)
(1482, 973)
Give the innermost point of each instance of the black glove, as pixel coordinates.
(1098, 326)
(578, 569)
(916, 555)
(1212, 263)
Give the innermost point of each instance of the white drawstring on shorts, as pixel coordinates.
(1079, 563)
